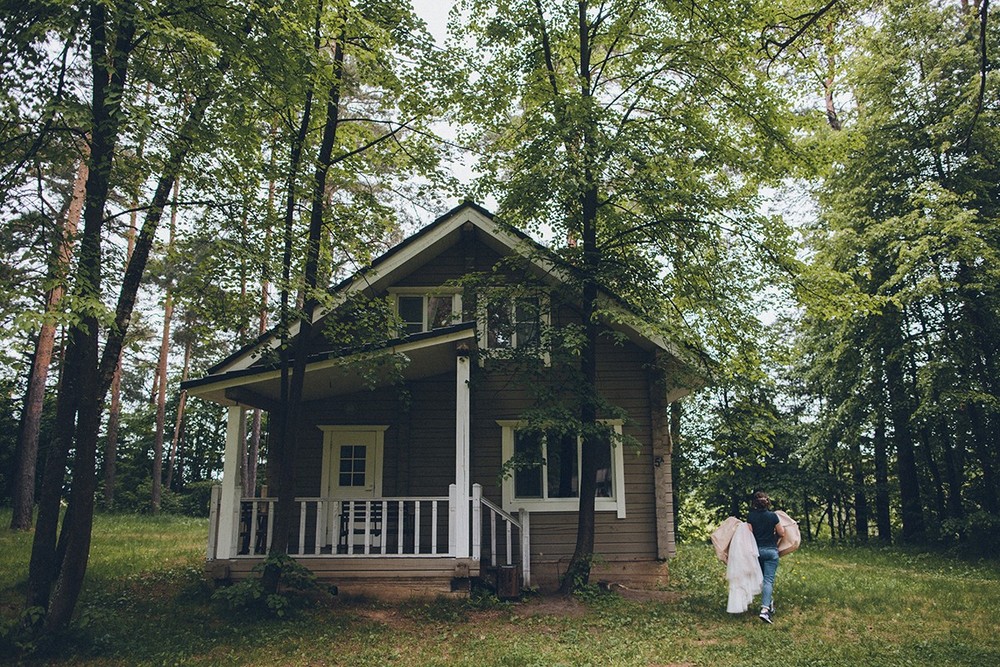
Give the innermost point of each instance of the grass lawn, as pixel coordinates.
(145, 604)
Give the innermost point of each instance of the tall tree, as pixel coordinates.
(904, 246)
(26, 457)
(628, 126)
(115, 33)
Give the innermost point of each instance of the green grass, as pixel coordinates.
(145, 603)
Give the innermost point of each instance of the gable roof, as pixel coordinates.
(417, 249)
(400, 259)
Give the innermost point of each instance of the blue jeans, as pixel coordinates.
(768, 557)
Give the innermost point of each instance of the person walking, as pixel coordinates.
(767, 530)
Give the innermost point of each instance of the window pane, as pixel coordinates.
(605, 487)
(438, 311)
(499, 326)
(561, 465)
(528, 450)
(411, 313)
(526, 314)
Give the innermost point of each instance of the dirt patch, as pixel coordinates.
(642, 595)
(551, 605)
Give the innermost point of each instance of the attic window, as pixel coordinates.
(424, 311)
(510, 319)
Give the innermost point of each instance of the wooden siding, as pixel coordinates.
(622, 379)
(419, 443)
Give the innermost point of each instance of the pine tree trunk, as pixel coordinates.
(26, 454)
(161, 370)
(115, 409)
(179, 422)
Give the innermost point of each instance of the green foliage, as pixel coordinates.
(900, 295)
(296, 585)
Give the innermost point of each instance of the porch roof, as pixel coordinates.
(339, 372)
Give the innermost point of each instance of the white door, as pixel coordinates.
(352, 471)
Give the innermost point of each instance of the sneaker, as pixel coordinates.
(765, 615)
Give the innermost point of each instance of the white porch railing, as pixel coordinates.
(349, 527)
(388, 527)
(511, 549)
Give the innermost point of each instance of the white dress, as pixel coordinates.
(743, 570)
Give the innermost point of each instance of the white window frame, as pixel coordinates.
(425, 292)
(491, 294)
(614, 504)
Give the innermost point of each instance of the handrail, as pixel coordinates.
(498, 510)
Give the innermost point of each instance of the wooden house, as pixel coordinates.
(401, 480)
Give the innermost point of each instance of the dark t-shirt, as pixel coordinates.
(763, 523)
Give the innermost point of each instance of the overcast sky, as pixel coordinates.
(435, 13)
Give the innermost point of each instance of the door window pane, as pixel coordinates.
(353, 460)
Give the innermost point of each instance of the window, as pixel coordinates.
(419, 312)
(545, 471)
(511, 320)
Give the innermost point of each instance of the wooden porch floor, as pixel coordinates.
(381, 577)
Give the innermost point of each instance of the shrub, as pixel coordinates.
(297, 583)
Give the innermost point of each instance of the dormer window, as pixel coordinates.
(424, 310)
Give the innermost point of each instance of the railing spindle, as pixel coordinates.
(434, 526)
(302, 527)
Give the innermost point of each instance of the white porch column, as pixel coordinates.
(462, 474)
(232, 485)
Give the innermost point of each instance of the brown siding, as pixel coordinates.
(452, 264)
(419, 454)
(622, 379)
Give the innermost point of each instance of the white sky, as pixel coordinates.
(435, 13)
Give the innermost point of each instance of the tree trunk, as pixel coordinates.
(66, 564)
(860, 493)
(115, 409)
(47, 571)
(292, 408)
(161, 369)
(26, 454)
(179, 422)
(900, 414)
(578, 570)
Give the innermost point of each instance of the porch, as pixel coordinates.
(385, 546)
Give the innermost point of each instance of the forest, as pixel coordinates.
(806, 192)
